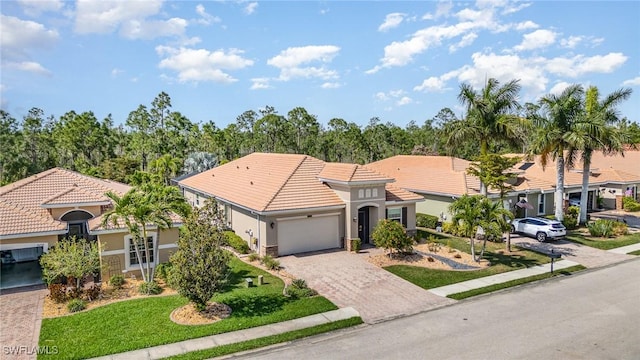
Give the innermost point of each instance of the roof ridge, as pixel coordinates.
(28, 180)
(353, 171)
(303, 158)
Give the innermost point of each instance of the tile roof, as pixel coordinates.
(394, 193)
(95, 224)
(18, 220)
(351, 173)
(267, 182)
(52, 187)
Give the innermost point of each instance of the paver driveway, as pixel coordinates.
(347, 279)
(20, 319)
(585, 255)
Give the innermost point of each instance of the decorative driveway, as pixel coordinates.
(582, 254)
(20, 320)
(348, 279)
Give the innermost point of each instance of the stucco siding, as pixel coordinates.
(435, 205)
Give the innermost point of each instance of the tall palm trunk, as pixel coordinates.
(559, 194)
(584, 195)
(136, 242)
(147, 275)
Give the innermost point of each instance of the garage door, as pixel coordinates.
(297, 235)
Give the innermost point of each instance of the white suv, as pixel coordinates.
(540, 228)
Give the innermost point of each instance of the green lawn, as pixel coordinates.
(431, 278)
(268, 340)
(603, 243)
(637, 252)
(141, 323)
(496, 287)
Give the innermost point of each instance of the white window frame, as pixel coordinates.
(127, 252)
(360, 193)
(374, 192)
(398, 218)
(541, 202)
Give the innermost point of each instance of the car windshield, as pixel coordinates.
(557, 226)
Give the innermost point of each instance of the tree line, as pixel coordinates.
(161, 140)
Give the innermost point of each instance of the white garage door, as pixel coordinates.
(297, 235)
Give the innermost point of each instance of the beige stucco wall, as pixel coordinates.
(57, 213)
(47, 241)
(435, 205)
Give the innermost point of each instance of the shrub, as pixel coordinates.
(426, 220)
(92, 292)
(570, 220)
(149, 288)
(270, 263)
(299, 289)
(76, 305)
(607, 228)
(356, 245)
(391, 235)
(236, 242)
(163, 270)
(629, 204)
(58, 292)
(116, 281)
(299, 283)
(254, 257)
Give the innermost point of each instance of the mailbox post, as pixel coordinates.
(553, 256)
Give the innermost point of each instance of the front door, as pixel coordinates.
(363, 225)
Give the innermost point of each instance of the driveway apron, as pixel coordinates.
(584, 255)
(348, 279)
(20, 320)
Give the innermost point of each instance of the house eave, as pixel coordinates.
(33, 234)
(75, 205)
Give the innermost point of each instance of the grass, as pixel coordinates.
(637, 252)
(508, 284)
(266, 341)
(500, 263)
(140, 323)
(604, 243)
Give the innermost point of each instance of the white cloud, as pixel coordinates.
(514, 7)
(29, 66)
(19, 37)
(391, 21)
(432, 84)
(537, 39)
(331, 85)
(116, 72)
(197, 65)
(559, 88)
(260, 83)
(250, 8)
(381, 96)
(290, 62)
(37, 7)
(443, 8)
(405, 100)
(526, 25)
(571, 42)
(580, 64)
(206, 18)
(150, 29)
(632, 82)
(466, 40)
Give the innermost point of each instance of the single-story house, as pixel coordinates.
(285, 204)
(38, 211)
(442, 179)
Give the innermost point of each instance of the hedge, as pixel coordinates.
(426, 220)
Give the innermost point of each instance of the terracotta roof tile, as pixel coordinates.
(267, 182)
(17, 220)
(95, 224)
(394, 193)
(53, 186)
(350, 173)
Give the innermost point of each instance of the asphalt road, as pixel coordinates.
(591, 315)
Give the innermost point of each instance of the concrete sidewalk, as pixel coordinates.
(625, 249)
(501, 278)
(207, 342)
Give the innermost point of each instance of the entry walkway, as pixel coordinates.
(208, 342)
(20, 320)
(501, 278)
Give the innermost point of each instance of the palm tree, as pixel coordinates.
(598, 131)
(491, 116)
(199, 162)
(556, 133)
(166, 167)
(473, 212)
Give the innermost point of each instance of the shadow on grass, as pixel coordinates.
(256, 305)
(510, 260)
(236, 279)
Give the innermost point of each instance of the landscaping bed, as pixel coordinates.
(145, 321)
(582, 236)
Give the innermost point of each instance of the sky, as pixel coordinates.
(400, 61)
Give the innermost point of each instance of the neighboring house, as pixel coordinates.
(286, 203)
(442, 179)
(39, 211)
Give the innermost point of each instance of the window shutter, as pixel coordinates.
(386, 213)
(404, 217)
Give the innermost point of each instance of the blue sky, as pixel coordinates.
(396, 60)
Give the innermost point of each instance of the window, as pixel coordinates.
(541, 204)
(133, 259)
(227, 214)
(374, 192)
(395, 214)
(368, 193)
(197, 199)
(360, 194)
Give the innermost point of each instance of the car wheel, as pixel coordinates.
(513, 229)
(542, 237)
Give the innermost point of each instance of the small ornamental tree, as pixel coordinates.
(200, 266)
(71, 258)
(391, 235)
